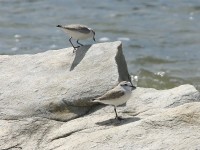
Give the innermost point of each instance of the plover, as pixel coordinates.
(78, 32)
(117, 96)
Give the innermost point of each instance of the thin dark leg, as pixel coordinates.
(79, 43)
(72, 43)
(117, 117)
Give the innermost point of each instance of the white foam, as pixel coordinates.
(17, 36)
(123, 39)
(161, 73)
(15, 49)
(104, 39)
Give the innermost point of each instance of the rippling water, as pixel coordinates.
(161, 38)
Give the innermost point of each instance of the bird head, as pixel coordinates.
(127, 85)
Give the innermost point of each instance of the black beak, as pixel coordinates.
(133, 87)
(93, 35)
(59, 26)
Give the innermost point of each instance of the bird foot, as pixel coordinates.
(75, 48)
(119, 118)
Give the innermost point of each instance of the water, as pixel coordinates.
(161, 38)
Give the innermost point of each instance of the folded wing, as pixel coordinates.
(79, 28)
(113, 94)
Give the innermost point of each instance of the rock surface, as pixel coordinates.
(58, 84)
(153, 119)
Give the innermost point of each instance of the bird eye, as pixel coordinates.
(125, 84)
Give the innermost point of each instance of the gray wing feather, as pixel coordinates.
(111, 95)
(79, 28)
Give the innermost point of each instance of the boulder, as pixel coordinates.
(59, 84)
(38, 112)
(170, 119)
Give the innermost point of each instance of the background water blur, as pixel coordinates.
(161, 38)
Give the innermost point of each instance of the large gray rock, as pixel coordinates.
(159, 125)
(59, 84)
(31, 119)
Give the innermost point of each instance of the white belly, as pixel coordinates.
(78, 35)
(117, 101)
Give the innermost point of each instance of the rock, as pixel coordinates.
(173, 123)
(59, 84)
(38, 92)
(153, 119)
(148, 101)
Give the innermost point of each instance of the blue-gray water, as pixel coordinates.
(161, 38)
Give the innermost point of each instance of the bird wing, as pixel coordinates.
(113, 94)
(77, 27)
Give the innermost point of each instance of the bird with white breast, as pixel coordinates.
(117, 96)
(78, 32)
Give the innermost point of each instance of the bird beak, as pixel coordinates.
(93, 35)
(133, 87)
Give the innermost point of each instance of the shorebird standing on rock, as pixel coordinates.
(117, 96)
(78, 32)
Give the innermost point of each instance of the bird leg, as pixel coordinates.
(117, 117)
(73, 45)
(79, 43)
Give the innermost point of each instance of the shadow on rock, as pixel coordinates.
(79, 55)
(115, 122)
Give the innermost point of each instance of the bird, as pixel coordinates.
(117, 96)
(78, 32)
